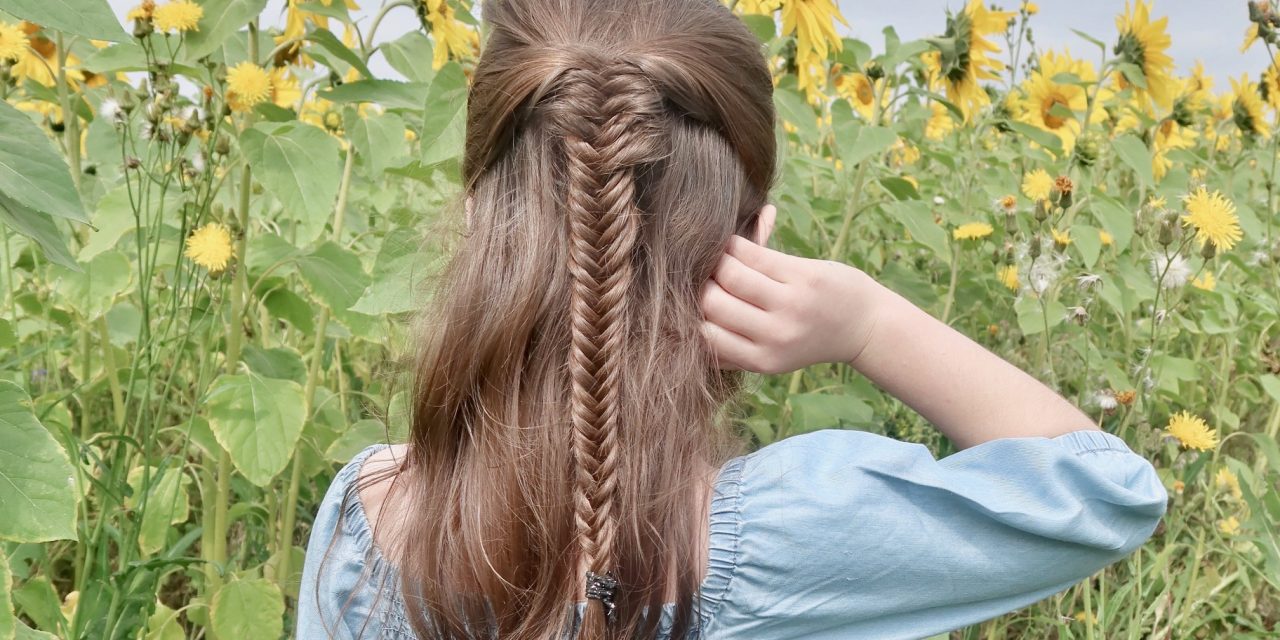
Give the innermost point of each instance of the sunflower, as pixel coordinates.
(1270, 87)
(963, 54)
(1214, 218)
(452, 37)
(1246, 108)
(1008, 276)
(178, 15)
(1191, 431)
(284, 87)
(858, 89)
(13, 42)
(210, 247)
(1169, 135)
(1037, 185)
(972, 231)
(1145, 44)
(1051, 105)
(940, 122)
(247, 85)
(758, 7)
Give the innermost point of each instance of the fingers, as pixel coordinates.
(732, 351)
(746, 283)
(774, 264)
(727, 310)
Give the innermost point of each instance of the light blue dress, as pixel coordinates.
(840, 534)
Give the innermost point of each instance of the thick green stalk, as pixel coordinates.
(113, 377)
(313, 379)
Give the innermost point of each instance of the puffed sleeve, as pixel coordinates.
(849, 534)
(337, 595)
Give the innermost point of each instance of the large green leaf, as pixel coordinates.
(379, 139)
(298, 164)
(916, 216)
(32, 172)
(167, 504)
(411, 55)
(257, 420)
(444, 116)
(855, 140)
(388, 93)
(1032, 319)
(1039, 136)
(332, 44)
(88, 18)
(397, 275)
(334, 275)
(824, 410)
(37, 487)
(1135, 153)
(1114, 216)
(93, 290)
(40, 227)
(793, 109)
(221, 19)
(248, 610)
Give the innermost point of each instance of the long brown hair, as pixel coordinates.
(565, 404)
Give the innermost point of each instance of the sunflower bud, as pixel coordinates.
(1088, 150)
(874, 71)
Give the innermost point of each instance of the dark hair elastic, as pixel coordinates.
(603, 588)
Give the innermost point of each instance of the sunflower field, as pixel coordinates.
(216, 218)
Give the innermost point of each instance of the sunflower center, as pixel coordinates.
(1047, 112)
(863, 91)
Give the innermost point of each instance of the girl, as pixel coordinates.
(569, 471)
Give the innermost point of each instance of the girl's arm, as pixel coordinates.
(770, 312)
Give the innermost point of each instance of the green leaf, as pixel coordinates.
(164, 625)
(397, 274)
(88, 18)
(765, 28)
(32, 172)
(222, 19)
(334, 275)
(93, 290)
(1086, 239)
(360, 435)
(916, 216)
(379, 139)
(37, 487)
(291, 307)
(332, 44)
(1271, 385)
(815, 411)
(1037, 135)
(167, 504)
(335, 10)
(298, 164)
(281, 363)
(8, 623)
(39, 227)
(1134, 153)
(411, 55)
(27, 633)
(793, 108)
(444, 116)
(391, 94)
(1101, 45)
(1133, 73)
(1031, 318)
(1115, 217)
(257, 420)
(248, 610)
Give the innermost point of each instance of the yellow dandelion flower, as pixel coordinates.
(410, 135)
(1225, 479)
(1206, 282)
(247, 85)
(1191, 431)
(1060, 238)
(178, 15)
(1145, 44)
(210, 247)
(13, 42)
(1082, 616)
(453, 39)
(1008, 276)
(1229, 526)
(1246, 108)
(1031, 8)
(964, 58)
(1157, 203)
(1214, 218)
(1037, 185)
(972, 231)
(143, 11)
(1105, 238)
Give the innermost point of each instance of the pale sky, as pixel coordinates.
(1208, 30)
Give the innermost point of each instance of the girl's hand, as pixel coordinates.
(770, 312)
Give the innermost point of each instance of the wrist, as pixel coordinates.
(866, 302)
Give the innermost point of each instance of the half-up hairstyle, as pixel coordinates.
(568, 417)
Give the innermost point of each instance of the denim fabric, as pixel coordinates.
(839, 534)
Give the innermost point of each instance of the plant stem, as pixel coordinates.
(113, 377)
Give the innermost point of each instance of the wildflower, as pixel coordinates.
(1214, 218)
(993, 330)
(1179, 486)
(1157, 203)
(1105, 238)
(1229, 526)
(1126, 397)
(1246, 108)
(1062, 190)
(1080, 316)
(1031, 8)
(13, 42)
(210, 247)
(1044, 272)
(963, 61)
(1008, 204)
(1088, 281)
(972, 231)
(1170, 273)
(1060, 238)
(143, 11)
(1145, 43)
(452, 37)
(1225, 479)
(1037, 185)
(1206, 282)
(1008, 276)
(1191, 431)
(178, 15)
(1106, 400)
(247, 85)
